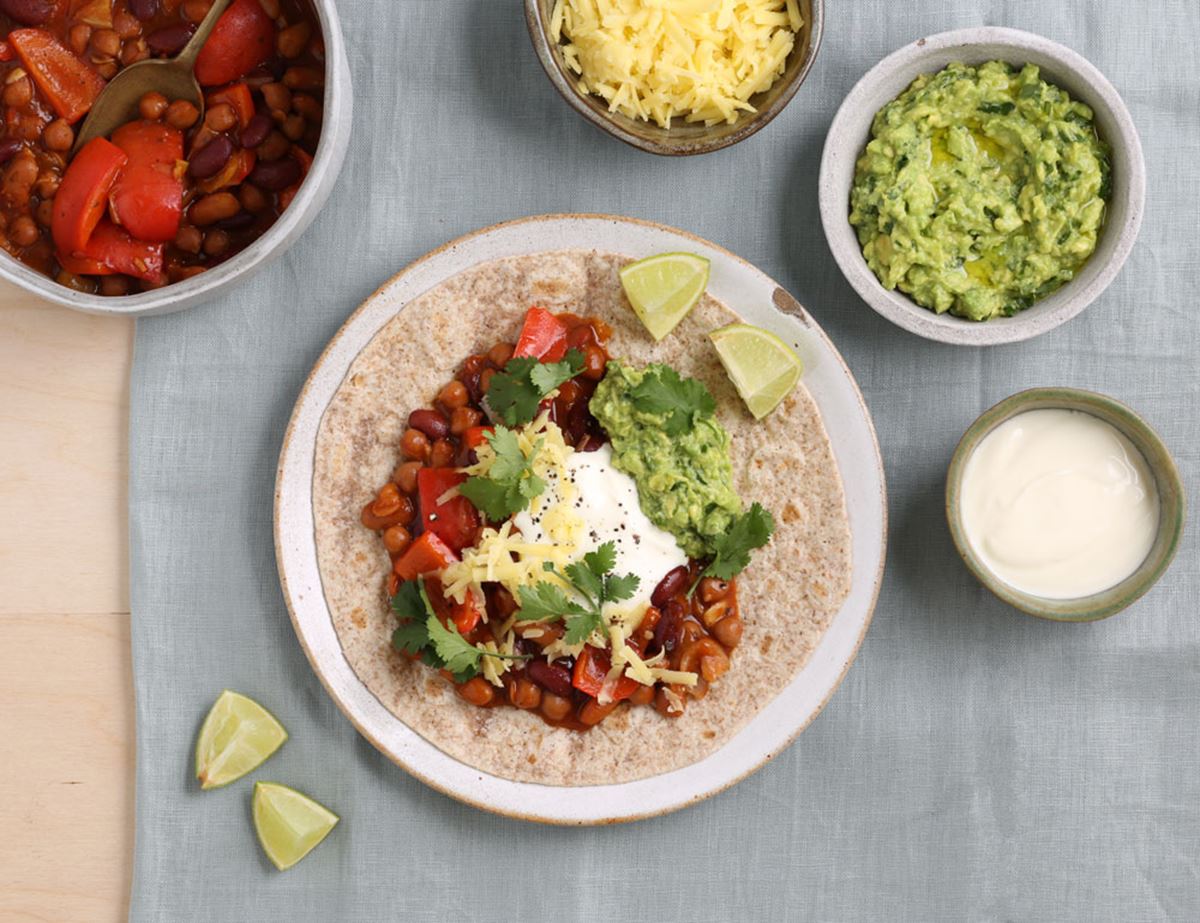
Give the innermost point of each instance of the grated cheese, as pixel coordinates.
(657, 60)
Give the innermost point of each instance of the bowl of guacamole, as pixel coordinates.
(982, 186)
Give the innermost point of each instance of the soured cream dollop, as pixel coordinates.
(1059, 504)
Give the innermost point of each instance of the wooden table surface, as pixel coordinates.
(66, 687)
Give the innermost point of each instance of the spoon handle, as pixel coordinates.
(191, 50)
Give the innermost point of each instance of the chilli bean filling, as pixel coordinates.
(693, 620)
(243, 163)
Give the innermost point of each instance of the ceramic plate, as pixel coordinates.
(760, 301)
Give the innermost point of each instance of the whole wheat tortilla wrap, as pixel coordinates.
(787, 596)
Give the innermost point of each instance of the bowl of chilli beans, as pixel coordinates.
(185, 200)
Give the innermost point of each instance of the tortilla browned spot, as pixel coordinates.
(787, 597)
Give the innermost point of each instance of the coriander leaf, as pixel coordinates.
(662, 391)
(617, 588)
(515, 393)
(412, 637)
(510, 482)
(580, 625)
(752, 529)
(544, 602)
(602, 560)
(586, 582)
(455, 652)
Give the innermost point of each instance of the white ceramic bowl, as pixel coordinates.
(850, 131)
(331, 151)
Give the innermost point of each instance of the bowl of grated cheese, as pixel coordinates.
(676, 77)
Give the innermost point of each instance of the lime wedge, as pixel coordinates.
(761, 366)
(289, 825)
(237, 736)
(663, 288)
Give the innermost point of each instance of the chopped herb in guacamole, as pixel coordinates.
(665, 435)
(981, 190)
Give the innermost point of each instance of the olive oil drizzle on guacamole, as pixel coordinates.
(982, 190)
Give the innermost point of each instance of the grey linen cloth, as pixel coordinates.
(976, 764)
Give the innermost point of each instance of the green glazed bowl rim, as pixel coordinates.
(1172, 503)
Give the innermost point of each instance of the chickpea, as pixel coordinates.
(485, 380)
(523, 693)
(47, 184)
(555, 707)
(220, 117)
(478, 691)
(414, 444)
(396, 539)
(291, 42)
(106, 43)
(453, 396)
(19, 177)
(45, 212)
(499, 354)
(593, 712)
(277, 97)
(214, 208)
(58, 135)
(194, 11)
(216, 242)
(303, 78)
(24, 231)
(114, 286)
(729, 631)
(252, 198)
(181, 114)
(106, 68)
(274, 147)
(442, 454)
(307, 107)
(79, 283)
(712, 590)
(18, 93)
(463, 418)
(79, 36)
(293, 127)
(406, 476)
(643, 695)
(126, 25)
(132, 52)
(153, 106)
(189, 239)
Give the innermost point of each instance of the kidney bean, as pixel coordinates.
(210, 159)
(238, 222)
(143, 9)
(169, 39)
(9, 148)
(28, 12)
(670, 586)
(551, 676)
(669, 629)
(276, 175)
(430, 422)
(257, 130)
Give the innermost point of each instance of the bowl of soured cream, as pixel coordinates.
(1064, 503)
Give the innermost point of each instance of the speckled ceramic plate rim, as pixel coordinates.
(1170, 488)
(754, 296)
(848, 135)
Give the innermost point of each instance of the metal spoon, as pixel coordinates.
(173, 77)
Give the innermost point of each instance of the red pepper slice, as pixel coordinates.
(110, 250)
(543, 336)
(236, 169)
(474, 437)
(424, 556)
(243, 38)
(591, 668)
(63, 77)
(456, 522)
(79, 203)
(147, 198)
(464, 615)
(238, 96)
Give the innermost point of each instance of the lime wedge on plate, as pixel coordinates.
(761, 366)
(663, 288)
(289, 825)
(237, 736)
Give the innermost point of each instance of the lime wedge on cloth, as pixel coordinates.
(663, 288)
(237, 736)
(289, 824)
(761, 366)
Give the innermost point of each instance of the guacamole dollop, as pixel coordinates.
(684, 480)
(981, 190)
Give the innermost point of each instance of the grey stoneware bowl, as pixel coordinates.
(850, 131)
(682, 138)
(331, 151)
(1172, 504)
